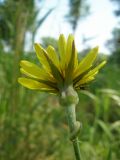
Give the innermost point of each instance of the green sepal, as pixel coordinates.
(70, 68)
(55, 72)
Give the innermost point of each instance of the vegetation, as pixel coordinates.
(32, 124)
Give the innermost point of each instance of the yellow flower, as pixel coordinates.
(59, 70)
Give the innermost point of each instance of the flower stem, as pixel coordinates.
(77, 149)
(69, 100)
(73, 129)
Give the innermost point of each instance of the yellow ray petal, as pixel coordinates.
(32, 84)
(44, 80)
(62, 50)
(84, 81)
(49, 64)
(93, 71)
(26, 73)
(32, 70)
(39, 52)
(69, 48)
(86, 63)
(53, 56)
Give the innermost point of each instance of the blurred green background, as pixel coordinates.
(33, 125)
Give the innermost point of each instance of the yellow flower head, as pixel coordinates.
(59, 70)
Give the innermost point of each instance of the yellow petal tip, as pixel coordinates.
(104, 62)
(22, 62)
(19, 80)
(36, 45)
(96, 49)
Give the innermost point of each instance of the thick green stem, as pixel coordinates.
(77, 149)
(69, 99)
(74, 128)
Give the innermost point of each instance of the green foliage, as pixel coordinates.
(114, 43)
(15, 15)
(117, 11)
(114, 46)
(37, 127)
(77, 9)
(10, 12)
